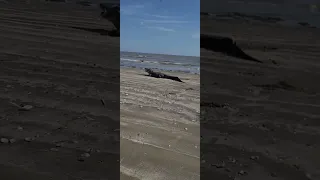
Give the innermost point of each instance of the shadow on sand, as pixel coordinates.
(224, 45)
(103, 32)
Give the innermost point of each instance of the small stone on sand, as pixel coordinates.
(242, 172)
(28, 139)
(254, 157)
(89, 150)
(220, 165)
(59, 144)
(85, 155)
(26, 107)
(4, 140)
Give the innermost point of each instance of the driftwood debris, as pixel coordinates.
(161, 75)
(224, 45)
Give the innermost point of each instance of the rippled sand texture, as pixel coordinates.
(63, 73)
(159, 127)
(261, 121)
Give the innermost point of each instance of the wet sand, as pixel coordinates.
(159, 126)
(261, 121)
(63, 73)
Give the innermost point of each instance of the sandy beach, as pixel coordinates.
(59, 103)
(261, 120)
(159, 126)
(53, 78)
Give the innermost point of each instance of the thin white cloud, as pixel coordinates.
(164, 17)
(161, 29)
(165, 21)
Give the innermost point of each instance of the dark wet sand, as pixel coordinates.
(63, 73)
(159, 126)
(264, 119)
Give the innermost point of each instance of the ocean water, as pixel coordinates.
(188, 64)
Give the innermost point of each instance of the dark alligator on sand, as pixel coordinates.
(161, 75)
(224, 45)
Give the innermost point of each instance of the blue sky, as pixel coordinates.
(161, 26)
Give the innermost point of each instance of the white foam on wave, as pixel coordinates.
(127, 59)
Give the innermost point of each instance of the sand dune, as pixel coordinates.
(261, 121)
(159, 126)
(63, 73)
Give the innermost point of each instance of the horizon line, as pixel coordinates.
(160, 53)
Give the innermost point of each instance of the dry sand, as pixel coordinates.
(264, 119)
(160, 130)
(63, 73)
